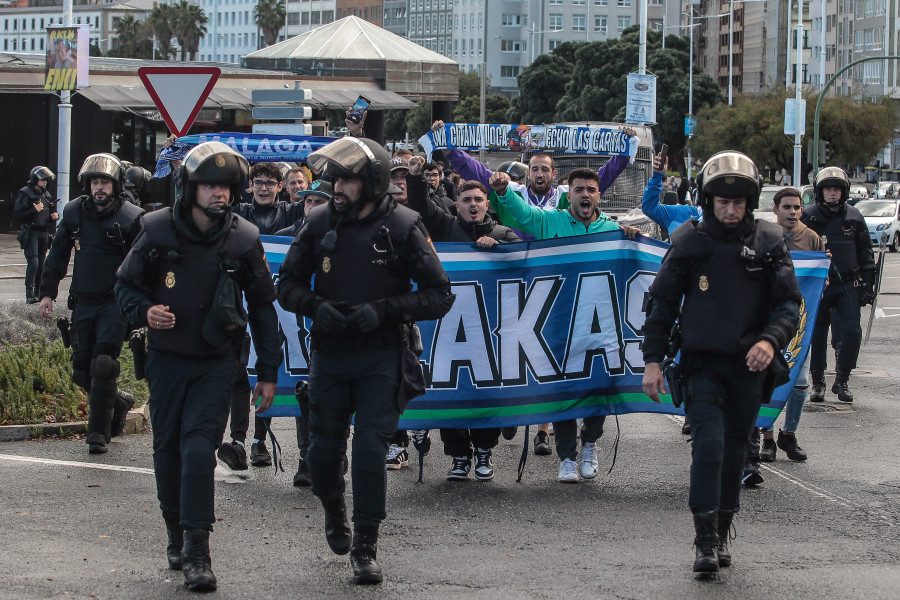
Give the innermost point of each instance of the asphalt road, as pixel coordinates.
(81, 526)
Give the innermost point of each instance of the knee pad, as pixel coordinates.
(81, 378)
(105, 366)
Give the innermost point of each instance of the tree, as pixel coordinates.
(133, 39)
(394, 124)
(470, 84)
(189, 27)
(541, 85)
(269, 17)
(161, 22)
(581, 81)
(469, 110)
(855, 129)
(418, 120)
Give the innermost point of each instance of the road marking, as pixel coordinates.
(224, 475)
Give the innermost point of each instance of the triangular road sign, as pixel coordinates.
(179, 92)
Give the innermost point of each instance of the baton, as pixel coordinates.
(879, 269)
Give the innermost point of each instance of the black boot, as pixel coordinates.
(30, 298)
(724, 532)
(124, 402)
(817, 393)
(196, 564)
(787, 441)
(362, 556)
(337, 527)
(176, 542)
(705, 524)
(841, 387)
(301, 477)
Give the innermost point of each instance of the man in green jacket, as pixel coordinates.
(582, 216)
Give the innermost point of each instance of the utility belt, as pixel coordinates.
(31, 226)
(76, 299)
(388, 338)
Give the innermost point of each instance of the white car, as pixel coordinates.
(883, 221)
(887, 189)
(859, 192)
(766, 209)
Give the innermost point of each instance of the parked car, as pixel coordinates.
(766, 209)
(858, 192)
(883, 221)
(887, 189)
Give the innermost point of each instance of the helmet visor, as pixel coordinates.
(346, 156)
(101, 165)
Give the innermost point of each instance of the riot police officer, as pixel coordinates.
(136, 179)
(100, 227)
(363, 251)
(36, 211)
(740, 306)
(851, 281)
(183, 280)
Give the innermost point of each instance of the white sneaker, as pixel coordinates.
(568, 471)
(397, 458)
(587, 462)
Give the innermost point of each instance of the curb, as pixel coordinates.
(136, 422)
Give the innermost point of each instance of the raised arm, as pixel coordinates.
(467, 167)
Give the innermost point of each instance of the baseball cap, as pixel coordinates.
(320, 186)
(399, 162)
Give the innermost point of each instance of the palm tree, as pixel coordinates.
(161, 22)
(132, 39)
(189, 26)
(269, 17)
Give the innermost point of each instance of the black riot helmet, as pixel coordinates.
(515, 169)
(356, 157)
(832, 177)
(729, 174)
(211, 162)
(102, 165)
(39, 173)
(137, 178)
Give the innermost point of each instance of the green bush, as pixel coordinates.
(36, 384)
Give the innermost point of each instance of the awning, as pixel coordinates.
(113, 97)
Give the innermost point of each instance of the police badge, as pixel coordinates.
(326, 264)
(704, 283)
(170, 280)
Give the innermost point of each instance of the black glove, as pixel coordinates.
(365, 317)
(328, 319)
(866, 295)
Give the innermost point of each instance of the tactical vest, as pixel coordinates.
(727, 297)
(839, 233)
(101, 242)
(365, 264)
(42, 219)
(182, 274)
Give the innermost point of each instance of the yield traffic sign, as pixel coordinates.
(179, 92)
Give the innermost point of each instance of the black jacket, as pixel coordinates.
(375, 260)
(173, 263)
(846, 235)
(728, 303)
(270, 218)
(101, 240)
(27, 214)
(444, 227)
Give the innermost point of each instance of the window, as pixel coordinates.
(872, 72)
(513, 20)
(624, 2)
(579, 2)
(509, 70)
(316, 18)
(456, 22)
(554, 44)
(655, 24)
(479, 46)
(601, 2)
(455, 48)
(293, 18)
(304, 18)
(556, 22)
(555, 2)
(480, 21)
(859, 39)
(623, 23)
(579, 23)
(512, 46)
(472, 21)
(465, 23)
(600, 24)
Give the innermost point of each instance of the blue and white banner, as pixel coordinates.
(255, 147)
(545, 138)
(540, 331)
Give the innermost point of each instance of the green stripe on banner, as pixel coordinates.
(528, 409)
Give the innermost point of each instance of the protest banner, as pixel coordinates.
(540, 331)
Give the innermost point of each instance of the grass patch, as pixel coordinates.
(36, 372)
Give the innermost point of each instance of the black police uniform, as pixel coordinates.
(730, 302)
(101, 240)
(444, 227)
(852, 274)
(35, 235)
(174, 264)
(269, 219)
(353, 371)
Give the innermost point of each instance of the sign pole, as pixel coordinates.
(63, 155)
